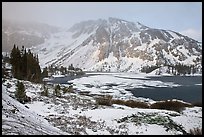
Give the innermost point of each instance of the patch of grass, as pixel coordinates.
(131, 103)
(153, 118)
(170, 105)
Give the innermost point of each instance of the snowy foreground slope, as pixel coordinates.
(74, 113)
(17, 119)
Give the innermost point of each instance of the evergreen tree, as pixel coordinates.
(13, 55)
(13, 60)
(71, 67)
(20, 92)
(25, 66)
(193, 69)
(19, 64)
(57, 91)
(44, 73)
(62, 70)
(45, 91)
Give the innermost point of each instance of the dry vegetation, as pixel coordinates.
(196, 131)
(131, 103)
(104, 100)
(170, 105)
(173, 105)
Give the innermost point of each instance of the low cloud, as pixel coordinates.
(193, 33)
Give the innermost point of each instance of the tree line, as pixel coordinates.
(25, 65)
(70, 70)
(177, 69)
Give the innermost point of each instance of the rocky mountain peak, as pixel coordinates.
(119, 45)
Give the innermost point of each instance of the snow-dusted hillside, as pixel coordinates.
(118, 46)
(79, 114)
(17, 119)
(25, 34)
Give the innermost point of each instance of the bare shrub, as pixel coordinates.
(170, 105)
(196, 131)
(104, 100)
(118, 101)
(131, 103)
(68, 89)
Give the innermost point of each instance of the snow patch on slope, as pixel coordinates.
(19, 120)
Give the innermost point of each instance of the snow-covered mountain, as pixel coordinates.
(118, 45)
(27, 34)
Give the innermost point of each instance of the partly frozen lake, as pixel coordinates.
(128, 85)
(190, 89)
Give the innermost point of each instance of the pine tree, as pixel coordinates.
(45, 91)
(13, 55)
(71, 67)
(18, 64)
(29, 65)
(20, 92)
(44, 73)
(25, 66)
(57, 91)
(62, 70)
(13, 60)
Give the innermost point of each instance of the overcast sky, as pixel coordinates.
(183, 17)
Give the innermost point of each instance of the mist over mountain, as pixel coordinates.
(27, 34)
(111, 44)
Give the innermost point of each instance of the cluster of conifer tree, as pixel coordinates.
(182, 69)
(25, 65)
(71, 70)
(178, 69)
(148, 69)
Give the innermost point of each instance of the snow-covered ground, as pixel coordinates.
(74, 113)
(19, 120)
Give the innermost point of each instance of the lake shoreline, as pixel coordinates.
(185, 88)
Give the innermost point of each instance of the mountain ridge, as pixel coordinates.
(117, 45)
